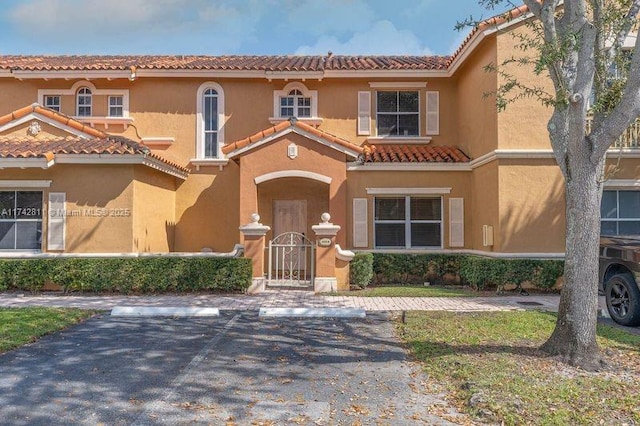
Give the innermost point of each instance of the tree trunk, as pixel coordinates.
(574, 338)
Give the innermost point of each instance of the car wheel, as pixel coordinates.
(623, 299)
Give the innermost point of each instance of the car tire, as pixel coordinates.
(623, 299)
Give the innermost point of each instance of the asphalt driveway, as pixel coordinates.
(235, 369)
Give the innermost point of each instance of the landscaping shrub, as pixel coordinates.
(476, 271)
(142, 275)
(361, 270)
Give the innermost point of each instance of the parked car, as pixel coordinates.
(619, 277)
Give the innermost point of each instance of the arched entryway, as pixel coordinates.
(290, 206)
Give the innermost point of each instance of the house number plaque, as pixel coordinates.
(324, 242)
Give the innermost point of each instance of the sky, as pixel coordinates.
(234, 27)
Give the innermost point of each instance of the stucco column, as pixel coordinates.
(325, 279)
(254, 244)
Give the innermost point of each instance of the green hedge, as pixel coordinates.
(361, 270)
(141, 275)
(476, 271)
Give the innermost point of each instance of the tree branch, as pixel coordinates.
(627, 110)
(627, 23)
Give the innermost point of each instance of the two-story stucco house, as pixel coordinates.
(117, 154)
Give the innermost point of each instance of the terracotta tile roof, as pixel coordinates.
(242, 143)
(98, 142)
(222, 63)
(487, 24)
(340, 62)
(36, 147)
(49, 113)
(412, 153)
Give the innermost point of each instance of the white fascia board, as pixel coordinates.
(80, 74)
(478, 37)
(25, 183)
(47, 120)
(622, 183)
(25, 163)
(299, 131)
(386, 74)
(511, 154)
(294, 75)
(409, 167)
(5, 73)
(408, 191)
(165, 168)
(99, 158)
(325, 142)
(120, 159)
(624, 153)
(201, 73)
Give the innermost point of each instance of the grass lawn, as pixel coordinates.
(24, 325)
(409, 291)
(489, 366)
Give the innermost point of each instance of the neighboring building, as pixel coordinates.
(117, 154)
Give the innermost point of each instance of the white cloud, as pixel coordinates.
(319, 17)
(224, 22)
(383, 38)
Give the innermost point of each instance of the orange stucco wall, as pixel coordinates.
(459, 182)
(476, 112)
(532, 214)
(312, 157)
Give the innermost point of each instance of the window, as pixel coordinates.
(295, 100)
(210, 116)
(116, 106)
(408, 222)
(398, 113)
(20, 220)
(53, 102)
(210, 121)
(295, 104)
(620, 213)
(84, 102)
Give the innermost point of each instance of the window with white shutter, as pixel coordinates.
(433, 113)
(364, 113)
(57, 219)
(360, 228)
(456, 222)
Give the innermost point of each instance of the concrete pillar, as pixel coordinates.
(254, 244)
(325, 279)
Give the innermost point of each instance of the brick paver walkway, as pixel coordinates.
(292, 299)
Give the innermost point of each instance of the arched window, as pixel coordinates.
(83, 102)
(295, 104)
(210, 116)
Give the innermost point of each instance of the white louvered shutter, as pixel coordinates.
(364, 113)
(57, 219)
(433, 113)
(456, 222)
(360, 231)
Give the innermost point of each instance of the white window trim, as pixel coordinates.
(9, 184)
(295, 85)
(53, 107)
(200, 139)
(109, 106)
(619, 219)
(94, 91)
(89, 105)
(397, 84)
(408, 191)
(419, 113)
(407, 223)
(16, 220)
